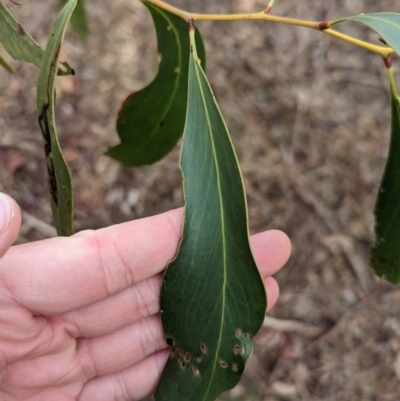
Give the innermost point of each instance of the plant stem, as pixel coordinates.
(382, 51)
(174, 10)
(260, 16)
(233, 17)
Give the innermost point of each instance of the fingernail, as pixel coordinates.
(5, 213)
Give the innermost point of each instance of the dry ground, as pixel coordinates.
(309, 116)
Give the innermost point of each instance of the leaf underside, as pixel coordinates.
(79, 20)
(19, 44)
(213, 298)
(57, 168)
(387, 25)
(384, 256)
(151, 121)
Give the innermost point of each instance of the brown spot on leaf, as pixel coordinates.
(188, 357)
(204, 348)
(21, 30)
(222, 363)
(196, 371)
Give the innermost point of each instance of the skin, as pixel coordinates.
(79, 316)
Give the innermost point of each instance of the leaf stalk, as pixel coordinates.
(269, 6)
(392, 82)
(382, 51)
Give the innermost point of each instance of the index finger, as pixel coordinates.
(62, 274)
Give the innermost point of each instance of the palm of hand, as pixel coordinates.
(79, 315)
(75, 355)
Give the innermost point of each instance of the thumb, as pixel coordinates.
(10, 222)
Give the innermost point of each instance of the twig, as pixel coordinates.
(331, 332)
(25, 147)
(304, 329)
(323, 26)
(300, 185)
(39, 225)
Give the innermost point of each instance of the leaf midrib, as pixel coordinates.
(196, 68)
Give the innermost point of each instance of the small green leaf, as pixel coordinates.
(384, 256)
(79, 20)
(19, 44)
(387, 25)
(6, 66)
(151, 121)
(57, 168)
(213, 298)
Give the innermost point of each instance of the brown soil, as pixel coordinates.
(309, 116)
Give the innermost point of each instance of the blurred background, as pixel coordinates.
(309, 116)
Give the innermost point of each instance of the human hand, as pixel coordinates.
(79, 316)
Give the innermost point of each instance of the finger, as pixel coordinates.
(70, 273)
(129, 306)
(271, 250)
(111, 353)
(121, 348)
(132, 384)
(272, 288)
(142, 299)
(10, 222)
(61, 274)
(126, 307)
(134, 346)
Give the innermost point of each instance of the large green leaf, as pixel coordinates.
(151, 121)
(79, 20)
(19, 44)
(213, 299)
(57, 168)
(385, 254)
(387, 25)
